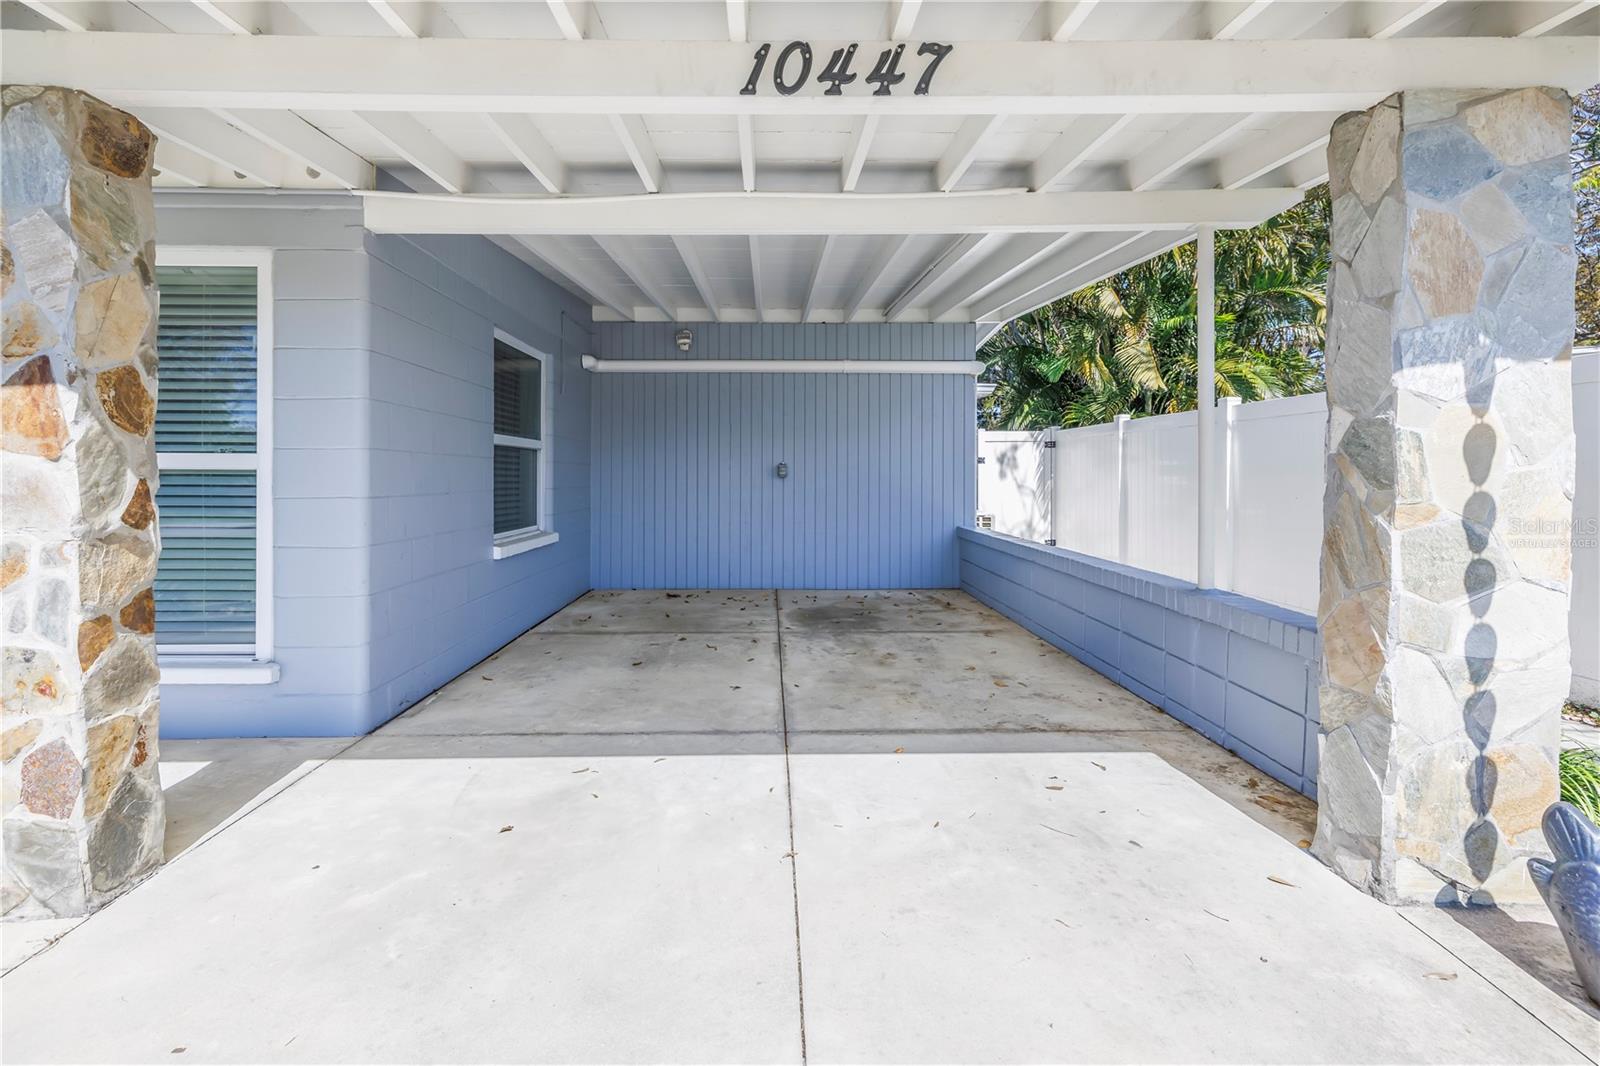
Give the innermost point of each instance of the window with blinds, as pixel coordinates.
(206, 446)
(518, 439)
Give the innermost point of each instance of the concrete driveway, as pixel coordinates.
(759, 827)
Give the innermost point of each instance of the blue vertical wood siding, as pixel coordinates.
(882, 468)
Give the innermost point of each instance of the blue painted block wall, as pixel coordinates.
(881, 467)
(385, 586)
(1241, 672)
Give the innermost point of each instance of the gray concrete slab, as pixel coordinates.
(1060, 907)
(635, 911)
(891, 611)
(552, 682)
(667, 611)
(1004, 679)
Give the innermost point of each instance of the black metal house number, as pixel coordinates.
(793, 67)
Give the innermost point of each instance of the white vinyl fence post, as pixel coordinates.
(1121, 509)
(1205, 402)
(1053, 467)
(1227, 491)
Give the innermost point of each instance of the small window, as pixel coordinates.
(213, 580)
(519, 441)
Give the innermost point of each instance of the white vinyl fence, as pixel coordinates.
(1126, 491)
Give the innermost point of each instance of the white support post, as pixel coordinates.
(1205, 402)
(1052, 445)
(1121, 510)
(1227, 490)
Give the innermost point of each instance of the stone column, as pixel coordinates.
(83, 815)
(1446, 547)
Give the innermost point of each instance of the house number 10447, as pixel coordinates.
(792, 69)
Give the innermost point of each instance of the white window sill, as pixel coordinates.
(216, 670)
(523, 542)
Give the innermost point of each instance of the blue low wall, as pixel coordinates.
(1239, 671)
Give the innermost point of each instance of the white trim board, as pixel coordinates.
(971, 368)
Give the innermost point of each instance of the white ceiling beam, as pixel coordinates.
(566, 19)
(959, 253)
(963, 150)
(523, 139)
(1414, 14)
(601, 290)
(1559, 19)
(395, 21)
(222, 18)
(738, 20)
(1236, 25)
(697, 272)
(887, 254)
(1183, 146)
(747, 153)
(300, 140)
(1006, 262)
(1296, 136)
(1096, 256)
(758, 280)
(903, 18)
(1067, 19)
(58, 14)
(642, 281)
(860, 148)
(210, 136)
(411, 141)
(1067, 152)
(175, 161)
(636, 142)
(693, 77)
(818, 269)
(737, 213)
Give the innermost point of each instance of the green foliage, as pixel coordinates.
(1585, 157)
(1580, 780)
(1127, 344)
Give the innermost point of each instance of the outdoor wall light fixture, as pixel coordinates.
(783, 470)
(685, 339)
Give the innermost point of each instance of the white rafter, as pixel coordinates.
(817, 270)
(757, 281)
(1001, 265)
(963, 150)
(1559, 19)
(523, 139)
(395, 21)
(566, 19)
(554, 252)
(1293, 138)
(636, 142)
(410, 140)
(175, 161)
(57, 13)
(693, 77)
(1067, 152)
(222, 18)
(730, 213)
(697, 272)
(1237, 24)
(860, 148)
(210, 136)
(1068, 19)
(958, 254)
(300, 140)
(1181, 147)
(887, 254)
(636, 274)
(903, 18)
(747, 153)
(738, 20)
(1096, 256)
(1412, 15)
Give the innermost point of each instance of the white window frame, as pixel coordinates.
(516, 541)
(229, 663)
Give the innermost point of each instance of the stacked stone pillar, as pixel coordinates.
(1447, 510)
(82, 803)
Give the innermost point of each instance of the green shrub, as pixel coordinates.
(1580, 780)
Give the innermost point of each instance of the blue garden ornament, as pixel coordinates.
(1571, 887)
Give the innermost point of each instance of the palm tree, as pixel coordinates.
(1126, 345)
